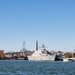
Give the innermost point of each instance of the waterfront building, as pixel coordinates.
(1, 54)
(18, 55)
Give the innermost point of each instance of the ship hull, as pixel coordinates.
(41, 58)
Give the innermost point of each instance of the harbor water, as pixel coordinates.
(23, 67)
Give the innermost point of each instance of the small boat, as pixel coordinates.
(60, 57)
(71, 60)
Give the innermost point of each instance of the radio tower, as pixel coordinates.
(23, 47)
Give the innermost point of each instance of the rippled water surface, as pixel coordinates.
(22, 67)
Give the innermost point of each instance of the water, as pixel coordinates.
(22, 67)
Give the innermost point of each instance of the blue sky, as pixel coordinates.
(51, 22)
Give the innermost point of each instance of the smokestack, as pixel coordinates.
(36, 45)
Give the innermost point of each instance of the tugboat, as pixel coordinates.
(59, 57)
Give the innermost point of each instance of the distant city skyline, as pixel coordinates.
(51, 22)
